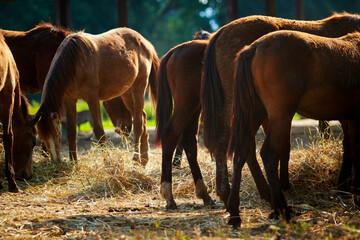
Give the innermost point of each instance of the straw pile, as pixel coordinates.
(108, 196)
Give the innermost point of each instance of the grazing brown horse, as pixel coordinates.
(119, 62)
(283, 73)
(217, 88)
(177, 114)
(43, 40)
(18, 134)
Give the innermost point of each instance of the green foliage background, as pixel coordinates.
(165, 23)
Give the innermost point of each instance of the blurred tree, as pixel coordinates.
(270, 7)
(62, 13)
(122, 13)
(232, 11)
(300, 9)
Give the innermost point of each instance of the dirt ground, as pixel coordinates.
(107, 196)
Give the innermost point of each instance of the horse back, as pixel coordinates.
(43, 40)
(305, 70)
(8, 72)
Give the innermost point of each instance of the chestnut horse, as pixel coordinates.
(97, 67)
(286, 72)
(177, 114)
(217, 88)
(18, 133)
(44, 40)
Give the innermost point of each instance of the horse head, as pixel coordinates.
(49, 132)
(24, 141)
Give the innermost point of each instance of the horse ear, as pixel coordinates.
(55, 116)
(35, 119)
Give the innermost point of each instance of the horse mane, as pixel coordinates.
(42, 26)
(72, 52)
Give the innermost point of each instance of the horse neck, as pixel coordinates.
(19, 117)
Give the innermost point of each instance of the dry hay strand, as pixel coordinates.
(107, 195)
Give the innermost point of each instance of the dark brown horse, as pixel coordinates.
(217, 88)
(283, 73)
(18, 134)
(177, 113)
(119, 62)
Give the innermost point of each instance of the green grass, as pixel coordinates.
(81, 105)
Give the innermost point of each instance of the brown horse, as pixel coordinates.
(177, 114)
(44, 40)
(18, 134)
(97, 67)
(217, 88)
(283, 73)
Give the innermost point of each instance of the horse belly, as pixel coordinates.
(330, 103)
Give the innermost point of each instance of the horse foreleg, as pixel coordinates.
(8, 140)
(356, 161)
(345, 176)
(144, 143)
(71, 115)
(189, 142)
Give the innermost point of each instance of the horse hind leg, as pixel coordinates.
(277, 146)
(94, 107)
(189, 142)
(134, 102)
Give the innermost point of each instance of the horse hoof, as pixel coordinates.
(235, 221)
(209, 203)
(171, 206)
(15, 189)
(274, 215)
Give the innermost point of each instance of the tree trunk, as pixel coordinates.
(300, 9)
(122, 13)
(232, 11)
(62, 13)
(270, 7)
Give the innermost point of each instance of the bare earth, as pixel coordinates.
(108, 196)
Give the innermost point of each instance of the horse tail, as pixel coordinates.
(152, 78)
(211, 95)
(164, 106)
(243, 108)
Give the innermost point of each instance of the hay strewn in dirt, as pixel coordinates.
(107, 195)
